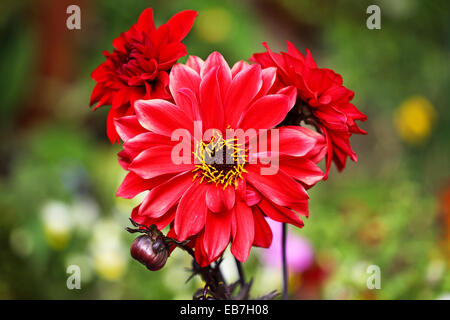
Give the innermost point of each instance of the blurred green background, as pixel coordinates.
(59, 174)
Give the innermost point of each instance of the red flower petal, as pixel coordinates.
(301, 208)
(329, 157)
(229, 197)
(181, 77)
(96, 94)
(310, 63)
(144, 141)
(268, 78)
(243, 230)
(191, 212)
(238, 67)
(292, 141)
(214, 196)
(124, 160)
(145, 22)
(180, 24)
(195, 63)
(244, 87)
(277, 60)
(161, 116)
(217, 233)
(211, 106)
(351, 111)
(163, 197)
(188, 101)
(263, 233)
(160, 222)
(266, 112)
(303, 170)
(241, 188)
(293, 51)
(332, 118)
(133, 184)
(200, 254)
(110, 127)
(279, 213)
(290, 92)
(169, 54)
(216, 60)
(295, 142)
(280, 188)
(252, 197)
(157, 161)
(128, 127)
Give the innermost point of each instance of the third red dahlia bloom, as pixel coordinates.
(139, 65)
(322, 100)
(213, 203)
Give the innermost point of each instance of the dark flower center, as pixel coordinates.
(220, 161)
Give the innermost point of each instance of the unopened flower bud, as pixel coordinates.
(151, 253)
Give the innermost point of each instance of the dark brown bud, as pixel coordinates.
(151, 253)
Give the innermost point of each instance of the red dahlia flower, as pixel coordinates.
(139, 65)
(322, 100)
(215, 202)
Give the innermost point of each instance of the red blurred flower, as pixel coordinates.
(215, 203)
(139, 65)
(322, 100)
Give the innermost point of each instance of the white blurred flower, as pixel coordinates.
(445, 296)
(358, 275)
(228, 267)
(85, 212)
(435, 271)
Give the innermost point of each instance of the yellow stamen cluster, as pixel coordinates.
(230, 165)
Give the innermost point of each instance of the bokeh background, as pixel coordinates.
(59, 174)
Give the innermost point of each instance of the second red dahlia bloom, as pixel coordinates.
(213, 203)
(322, 100)
(139, 65)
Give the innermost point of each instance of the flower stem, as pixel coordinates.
(241, 272)
(283, 253)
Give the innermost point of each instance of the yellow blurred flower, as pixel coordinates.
(110, 264)
(57, 223)
(108, 251)
(213, 25)
(414, 119)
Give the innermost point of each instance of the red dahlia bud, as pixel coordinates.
(151, 253)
